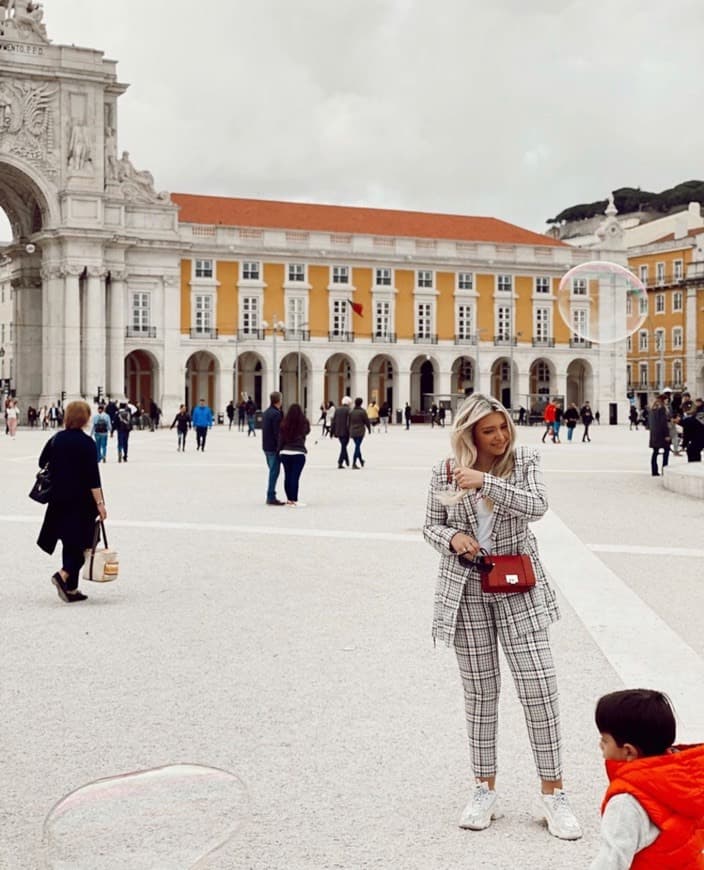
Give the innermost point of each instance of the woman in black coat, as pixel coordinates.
(76, 499)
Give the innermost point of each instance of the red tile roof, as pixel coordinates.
(269, 214)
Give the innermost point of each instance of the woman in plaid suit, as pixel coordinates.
(485, 498)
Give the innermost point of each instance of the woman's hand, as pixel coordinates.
(468, 478)
(464, 545)
(102, 513)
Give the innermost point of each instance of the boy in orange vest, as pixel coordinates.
(653, 810)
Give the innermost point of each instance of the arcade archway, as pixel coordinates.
(464, 379)
(338, 378)
(142, 378)
(381, 381)
(423, 372)
(580, 382)
(248, 373)
(201, 379)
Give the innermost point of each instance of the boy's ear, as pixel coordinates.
(631, 752)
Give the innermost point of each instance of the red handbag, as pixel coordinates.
(500, 574)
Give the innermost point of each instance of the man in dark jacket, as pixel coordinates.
(341, 430)
(271, 421)
(659, 435)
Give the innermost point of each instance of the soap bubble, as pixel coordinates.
(171, 818)
(602, 302)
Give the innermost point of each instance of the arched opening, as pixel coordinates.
(201, 379)
(423, 371)
(295, 379)
(580, 382)
(381, 381)
(463, 381)
(141, 378)
(249, 374)
(338, 378)
(25, 206)
(501, 381)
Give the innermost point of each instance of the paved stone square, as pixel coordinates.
(293, 647)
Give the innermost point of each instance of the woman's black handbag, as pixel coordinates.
(41, 491)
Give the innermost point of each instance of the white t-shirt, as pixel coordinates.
(625, 829)
(485, 524)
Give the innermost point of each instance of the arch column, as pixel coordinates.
(94, 337)
(444, 383)
(28, 338)
(316, 388)
(359, 382)
(72, 332)
(523, 388)
(115, 387)
(52, 334)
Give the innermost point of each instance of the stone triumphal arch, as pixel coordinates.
(83, 219)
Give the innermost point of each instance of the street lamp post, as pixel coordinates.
(301, 327)
(276, 326)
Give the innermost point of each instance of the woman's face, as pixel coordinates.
(492, 436)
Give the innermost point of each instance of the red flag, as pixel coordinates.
(356, 307)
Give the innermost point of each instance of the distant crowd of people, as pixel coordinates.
(554, 417)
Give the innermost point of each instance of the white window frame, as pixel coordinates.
(580, 287)
(580, 323)
(659, 303)
(140, 310)
(542, 285)
(643, 340)
(677, 297)
(629, 343)
(249, 267)
(340, 275)
(504, 325)
(643, 274)
(643, 375)
(677, 338)
(203, 309)
(204, 268)
(677, 372)
(465, 281)
(250, 314)
(296, 312)
(339, 317)
(660, 274)
(424, 316)
(425, 279)
(386, 274)
(296, 273)
(660, 340)
(383, 317)
(542, 322)
(464, 320)
(504, 284)
(678, 270)
(643, 304)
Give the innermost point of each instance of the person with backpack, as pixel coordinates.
(123, 424)
(101, 427)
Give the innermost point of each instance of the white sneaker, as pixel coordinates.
(481, 809)
(556, 810)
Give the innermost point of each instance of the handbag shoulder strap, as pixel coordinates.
(99, 529)
(448, 470)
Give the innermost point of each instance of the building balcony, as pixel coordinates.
(297, 335)
(505, 340)
(543, 342)
(430, 338)
(386, 338)
(204, 334)
(465, 339)
(250, 334)
(141, 332)
(580, 342)
(340, 336)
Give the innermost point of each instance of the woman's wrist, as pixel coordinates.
(99, 503)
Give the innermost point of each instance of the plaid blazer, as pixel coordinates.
(518, 500)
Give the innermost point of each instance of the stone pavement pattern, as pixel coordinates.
(293, 647)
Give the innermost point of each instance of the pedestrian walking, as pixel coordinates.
(322, 420)
(484, 498)
(230, 411)
(359, 425)
(44, 417)
(251, 412)
(123, 425)
(570, 417)
(433, 415)
(241, 415)
(407, 415)
(659, 427)
(329, 417)
(341, 429)
(441, 416)
(99, 430)
(271, 423)
(12, 414)
(32, 416)
(373, 415)
(182, 422)
(76, 499)
(692, 432)
(111, 410)
(202, 420)
(558, 422)
(53, 416)
(154, 415)
(384, 414)
(549, 420)
(292, 451)
(587, 419)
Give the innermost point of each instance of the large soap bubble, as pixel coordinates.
(171, 818)
(602, 302)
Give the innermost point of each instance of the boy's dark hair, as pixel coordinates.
(642, 717)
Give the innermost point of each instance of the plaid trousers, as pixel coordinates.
(479, 626)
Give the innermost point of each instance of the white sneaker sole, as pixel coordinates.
(543, 817)
(467, 826)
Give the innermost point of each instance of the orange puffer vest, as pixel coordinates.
(670, 788)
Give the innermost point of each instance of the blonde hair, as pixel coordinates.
(472, 411)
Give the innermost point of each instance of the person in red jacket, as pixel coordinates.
(653, 810)
(549, 420)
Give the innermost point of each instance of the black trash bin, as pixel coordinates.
(221, 419)
(258, 419)
(613, 414)
(399, 416)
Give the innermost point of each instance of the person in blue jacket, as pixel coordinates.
(201, 420)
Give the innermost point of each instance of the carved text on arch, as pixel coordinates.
(27, 122)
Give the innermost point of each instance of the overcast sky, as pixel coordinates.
(509, 108)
